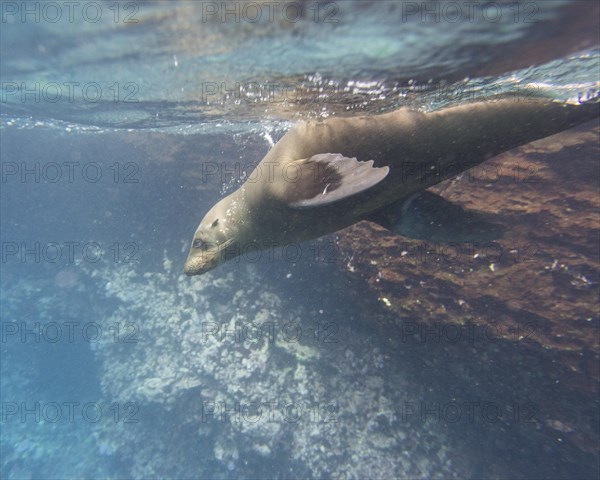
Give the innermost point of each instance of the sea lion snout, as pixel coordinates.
(197, 266)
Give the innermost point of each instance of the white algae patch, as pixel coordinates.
(227, 380)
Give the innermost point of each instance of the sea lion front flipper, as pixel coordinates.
(327, 178)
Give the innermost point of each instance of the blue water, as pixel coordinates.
(116, 365)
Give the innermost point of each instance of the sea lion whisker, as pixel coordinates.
(226, 243)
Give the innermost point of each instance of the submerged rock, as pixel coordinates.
(532, 294)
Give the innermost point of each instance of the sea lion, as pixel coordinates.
(326, 175)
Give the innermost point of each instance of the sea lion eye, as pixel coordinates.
(197, 243)
(214, 224)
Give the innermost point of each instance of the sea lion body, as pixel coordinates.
(295, 193)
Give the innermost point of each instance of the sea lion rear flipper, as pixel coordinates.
(428, 216)
(329, 177)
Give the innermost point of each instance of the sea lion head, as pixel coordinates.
(215, 239)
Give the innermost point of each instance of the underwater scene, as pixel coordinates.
(302, 239)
